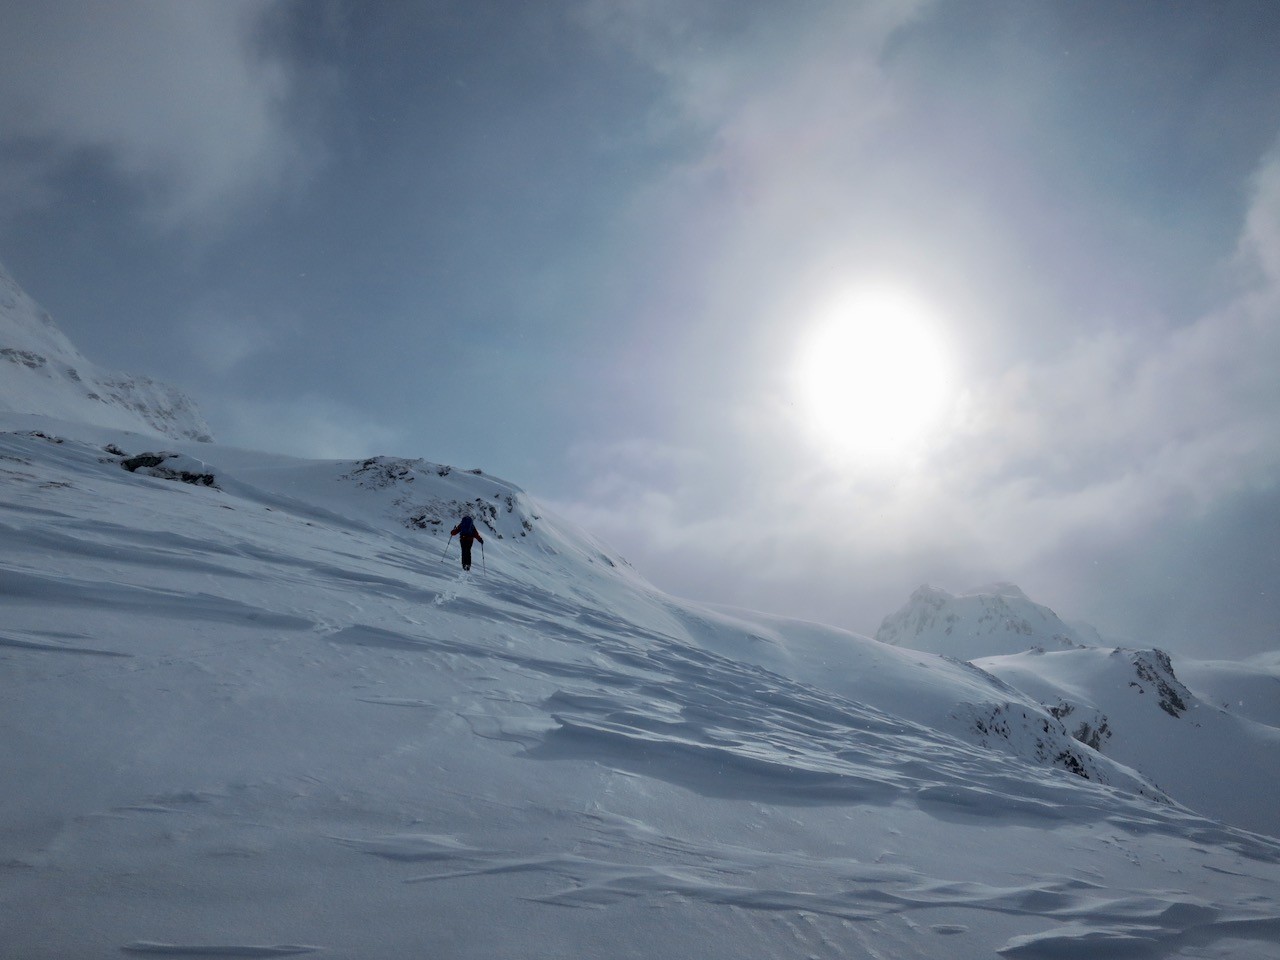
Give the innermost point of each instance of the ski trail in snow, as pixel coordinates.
(450, 594)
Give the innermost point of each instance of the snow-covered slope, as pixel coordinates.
(1248, 688)
(1129, 705)
(1132, 706)
(41, 372)
(262, 713)
(989, 621)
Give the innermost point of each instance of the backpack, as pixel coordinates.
(466, 528)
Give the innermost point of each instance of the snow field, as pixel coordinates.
(265, 718)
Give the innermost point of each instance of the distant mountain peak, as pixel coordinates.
(987, 621)
(45, 374)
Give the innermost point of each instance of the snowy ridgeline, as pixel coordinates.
(255, 709)
(41, 372)
(1214, 746)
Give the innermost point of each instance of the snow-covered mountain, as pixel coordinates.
(1131, 705)
(252, 707)
(985, 622)
(41, 372)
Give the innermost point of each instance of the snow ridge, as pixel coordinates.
(43, 373)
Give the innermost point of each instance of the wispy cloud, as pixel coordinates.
(223, 342)
(1260, 244)
(181, 99)
(771, 110)
(1129, 422)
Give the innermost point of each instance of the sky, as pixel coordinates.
(799, 304)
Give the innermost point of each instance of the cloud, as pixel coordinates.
(1132, 422)
(223, 342)
(1260, 244)
(304, 426)
(771, 108)
(23, 185)
(181, 99)
(1124, 434)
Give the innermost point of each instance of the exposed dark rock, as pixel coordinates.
(132, 464)
(1155, 667)
(1092, 735)
(171, 466)
(40, 436)
(24, 357)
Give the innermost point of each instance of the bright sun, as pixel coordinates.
(873, 375)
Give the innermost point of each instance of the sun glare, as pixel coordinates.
(872, 375)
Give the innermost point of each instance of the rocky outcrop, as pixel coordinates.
(171, 466)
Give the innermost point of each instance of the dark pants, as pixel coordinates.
(466, 552)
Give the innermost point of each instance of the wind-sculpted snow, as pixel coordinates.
(272, 717)
(1120, 923)
(52, 642)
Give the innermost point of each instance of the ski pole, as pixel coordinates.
(446, 548)
(482, 566)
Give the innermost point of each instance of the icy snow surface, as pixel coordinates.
(268, 715)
